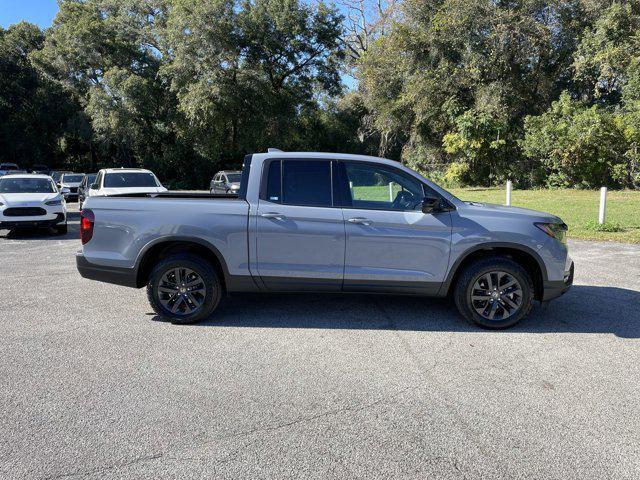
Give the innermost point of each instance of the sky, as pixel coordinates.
(40, 12)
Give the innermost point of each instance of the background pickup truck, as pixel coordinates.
(325, 223)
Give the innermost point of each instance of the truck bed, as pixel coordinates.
(179, 194)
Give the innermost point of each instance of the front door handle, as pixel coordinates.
(274, 215)
(360, 221)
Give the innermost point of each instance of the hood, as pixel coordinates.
(26, 199)
(70, 184)
(504, 211)
(124, 191)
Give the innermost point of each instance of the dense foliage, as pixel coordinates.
(479, 91)
(472, 92)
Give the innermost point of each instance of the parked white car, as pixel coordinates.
(120, 181)
(30, 200)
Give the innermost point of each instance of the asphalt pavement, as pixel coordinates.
(93, 385)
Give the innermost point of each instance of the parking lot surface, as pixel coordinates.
(93, 385)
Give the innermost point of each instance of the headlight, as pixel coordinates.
(53, 202)
(555, 230)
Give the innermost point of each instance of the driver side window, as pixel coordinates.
(379, 188)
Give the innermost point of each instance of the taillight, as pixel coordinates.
(87, 219)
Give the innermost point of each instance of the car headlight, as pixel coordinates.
(555, 230)
(51, 203)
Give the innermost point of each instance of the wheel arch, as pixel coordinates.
(523, 255)
(164, 246)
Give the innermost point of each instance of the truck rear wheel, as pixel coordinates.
(494, 293)
(184, 288)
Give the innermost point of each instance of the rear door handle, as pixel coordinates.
(274, 215)
(360, 221)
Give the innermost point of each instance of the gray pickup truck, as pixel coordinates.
(324, 222)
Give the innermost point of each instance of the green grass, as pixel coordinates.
(578, 209)
(377, 193)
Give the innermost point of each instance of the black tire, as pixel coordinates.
(212, 288)
(62, 229)
(474, 273)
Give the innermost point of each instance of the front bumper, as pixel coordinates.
(36, 222)
(554, 289)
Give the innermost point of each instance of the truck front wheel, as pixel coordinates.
(184, 288)
(494, 292)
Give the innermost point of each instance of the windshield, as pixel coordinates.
(76, 178)
(234, 177)
(26, 185)
(129, 179)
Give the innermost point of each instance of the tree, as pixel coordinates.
(366, 21)
(579, 145)
(185, 87)
(33, 111)
(456, 76)
(241, 76)
(605, 53)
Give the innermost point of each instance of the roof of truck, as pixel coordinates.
(27, 175)
(324, 155)
(120, 170)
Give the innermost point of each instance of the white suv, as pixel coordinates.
(118, 181)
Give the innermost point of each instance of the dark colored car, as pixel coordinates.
(40, 169)
(83, 188)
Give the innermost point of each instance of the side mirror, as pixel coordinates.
(65, 191)
(430, 205)
(94, 186)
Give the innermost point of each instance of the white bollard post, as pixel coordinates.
(391, 191)
(603, 205)
(509, 186)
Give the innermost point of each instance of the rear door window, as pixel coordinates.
(274, 182)
(307, 183)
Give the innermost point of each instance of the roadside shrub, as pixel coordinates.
(579, 147)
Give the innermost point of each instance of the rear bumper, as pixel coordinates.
(554, 289)
(118, 275)
(25, 222)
